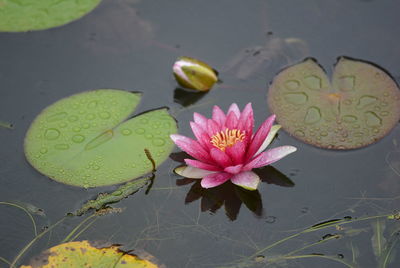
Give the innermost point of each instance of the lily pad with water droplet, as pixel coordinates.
(83, 140)
(358, 107)
(84, 254)
(27, 15)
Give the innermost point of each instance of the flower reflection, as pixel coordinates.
(231, 196)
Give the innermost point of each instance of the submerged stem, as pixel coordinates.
(22, 252)
(26, 211)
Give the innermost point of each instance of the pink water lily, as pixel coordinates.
(226, 148)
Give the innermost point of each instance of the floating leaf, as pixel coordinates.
(84, 254)
(82, 140)
(27, 15)
(359, 107)
(122, 192)
(194, 74)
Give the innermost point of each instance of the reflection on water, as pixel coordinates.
(232, 196)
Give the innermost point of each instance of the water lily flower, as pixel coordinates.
(226, 148)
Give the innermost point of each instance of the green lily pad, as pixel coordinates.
(26, 15)
(359, 107)
(82, 140)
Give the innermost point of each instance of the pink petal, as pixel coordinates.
(212, 127)
(220, 157)
(270, 157)
(201, 135)
(201, 120)
(215, 179)
(235, 109)
(268, 139)
(218, 116)
(234, 169)
(231, 120)
(236, 152)
(191, 147)
(192, 172)
(247, 179)
(202, 165)
(260, 136)
(246, 120)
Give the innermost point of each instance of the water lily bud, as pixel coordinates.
(194, 74)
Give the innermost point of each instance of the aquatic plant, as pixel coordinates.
(85, 253)
(358, 107)
(226, 148)
(27, 15)
(194, 74)
(84, 140)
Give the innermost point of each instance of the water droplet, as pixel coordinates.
(384, 103)
(76, 129)
(96, 167)
(52, 134)
(104, 115)
(43, 150)
(296, 98)
(126, 132)
(347, 83)
(270, 219)
(62, 146)
(358, 134)
(63, 125)
(313, 115)
(384, 113)
(86, 185)
(349, 118)
(144, 121)
(56, 117)
(140, 131)
(299, 133)
(86, 126)
(73, 118)
(158, 142)
(365, 101)
(313, 82)
(92, 104)
(78, 138)
(292, 84)
(90, 116)
(102, 138)
(148, 136)
(372, 119)
(323, 133)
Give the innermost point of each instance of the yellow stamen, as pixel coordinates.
(227, 138)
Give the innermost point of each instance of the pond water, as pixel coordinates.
(132, 45)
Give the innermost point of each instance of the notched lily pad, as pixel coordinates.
(84, 254)
(82, 140)
(27, 15)
(358, 107)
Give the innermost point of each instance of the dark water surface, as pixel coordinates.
(132, 45)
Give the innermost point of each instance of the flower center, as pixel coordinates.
(227, 138)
